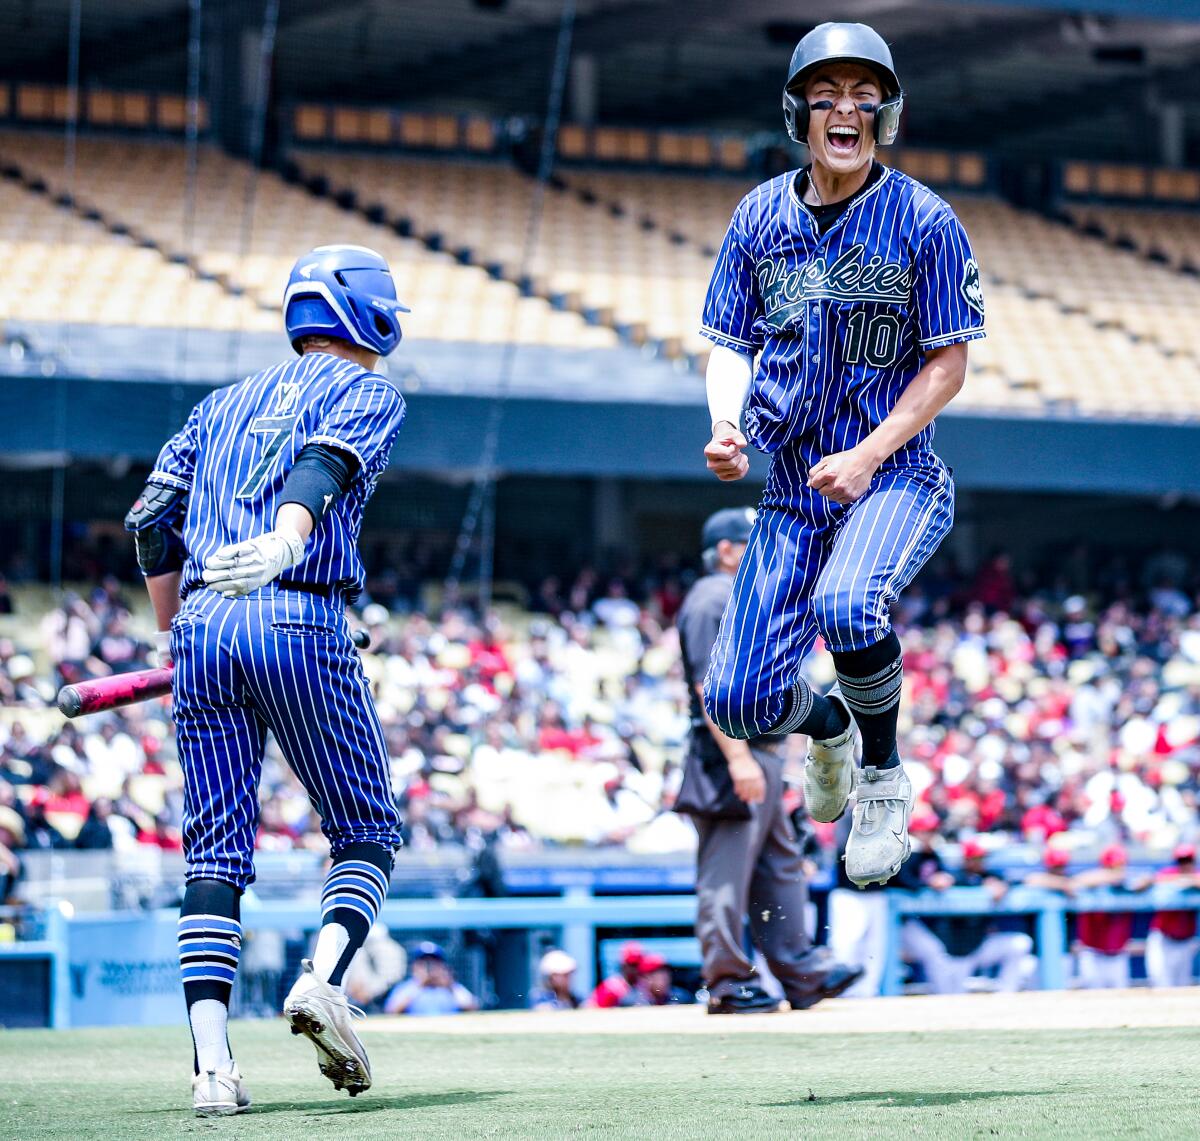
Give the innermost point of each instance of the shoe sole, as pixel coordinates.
(340, 1067)
(218, 1110)
(885, 875)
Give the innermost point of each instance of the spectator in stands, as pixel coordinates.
(432, 988)
(375, 970)
(953, 949)
(1104, 936)
(12, 840)
(994, 587)
(68, 634)
(96, 835)
(162, 834)
(1054, 877)
(655, 984)
(622, 988)
(1172, 945)
(40, 834)
(556, 972)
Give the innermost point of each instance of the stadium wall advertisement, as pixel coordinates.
(124, 971)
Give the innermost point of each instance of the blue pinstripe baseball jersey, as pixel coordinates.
(239, 444)
(278, 659)
(841, 320)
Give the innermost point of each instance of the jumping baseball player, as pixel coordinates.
(855, 288)
(247, 534)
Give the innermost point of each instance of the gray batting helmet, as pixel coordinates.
(848, 43)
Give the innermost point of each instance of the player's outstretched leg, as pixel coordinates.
(870, 682)
(317, 1006)
(210, 937)
(886, 539)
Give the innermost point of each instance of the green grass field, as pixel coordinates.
(131, 1083)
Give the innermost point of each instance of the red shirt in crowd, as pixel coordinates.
(1108, 932)
(1173, 924)
(613, 991)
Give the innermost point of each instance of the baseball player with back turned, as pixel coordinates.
(247, 534)
(856, 288)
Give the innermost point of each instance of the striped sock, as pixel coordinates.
(808, 712)
(354, 892)
(209, 946)
(871, 681)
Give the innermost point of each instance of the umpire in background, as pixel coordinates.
(748, 861)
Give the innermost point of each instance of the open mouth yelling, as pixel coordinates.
(841, 138)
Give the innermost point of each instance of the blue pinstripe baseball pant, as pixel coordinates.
(283, 661)
(811, 568)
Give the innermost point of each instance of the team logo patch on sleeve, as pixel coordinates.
(972, 291)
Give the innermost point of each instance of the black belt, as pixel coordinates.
(321, 589)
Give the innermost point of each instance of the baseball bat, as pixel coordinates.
(129, 688)
(113, 692)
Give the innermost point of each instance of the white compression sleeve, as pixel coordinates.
(728, 381)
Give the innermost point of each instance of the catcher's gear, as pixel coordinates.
(345, 292)
(156, 520)
(239, 568)
(842, 43)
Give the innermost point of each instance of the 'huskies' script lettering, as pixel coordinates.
(785, 288)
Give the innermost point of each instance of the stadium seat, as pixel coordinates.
(245, 229)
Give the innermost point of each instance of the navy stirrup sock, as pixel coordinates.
(870, 681)
(808, 712)
(210, 942)
(354, 892)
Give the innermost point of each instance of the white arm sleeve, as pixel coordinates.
(728, 381)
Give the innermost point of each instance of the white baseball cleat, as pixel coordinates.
(829, 770)
(878, 843)
(218, 1093)
(321, 1013)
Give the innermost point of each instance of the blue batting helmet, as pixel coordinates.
(345, 292)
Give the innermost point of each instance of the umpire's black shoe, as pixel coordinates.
(745, 998)
(837, 980)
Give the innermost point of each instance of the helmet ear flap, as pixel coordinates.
(795, 117)
(887, 119)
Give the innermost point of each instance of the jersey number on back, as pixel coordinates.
(277, 429)
(873, 339)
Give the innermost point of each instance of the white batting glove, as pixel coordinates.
(162, 648)
(238, 568)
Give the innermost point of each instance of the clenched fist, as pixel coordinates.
(843, 477)
(724, 454)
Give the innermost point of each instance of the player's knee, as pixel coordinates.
(730, 706)
(842, 616)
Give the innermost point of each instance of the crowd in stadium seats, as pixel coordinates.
(1031, 715)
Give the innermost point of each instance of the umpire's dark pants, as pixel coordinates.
(753, 868)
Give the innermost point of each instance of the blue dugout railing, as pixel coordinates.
(120, 966)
